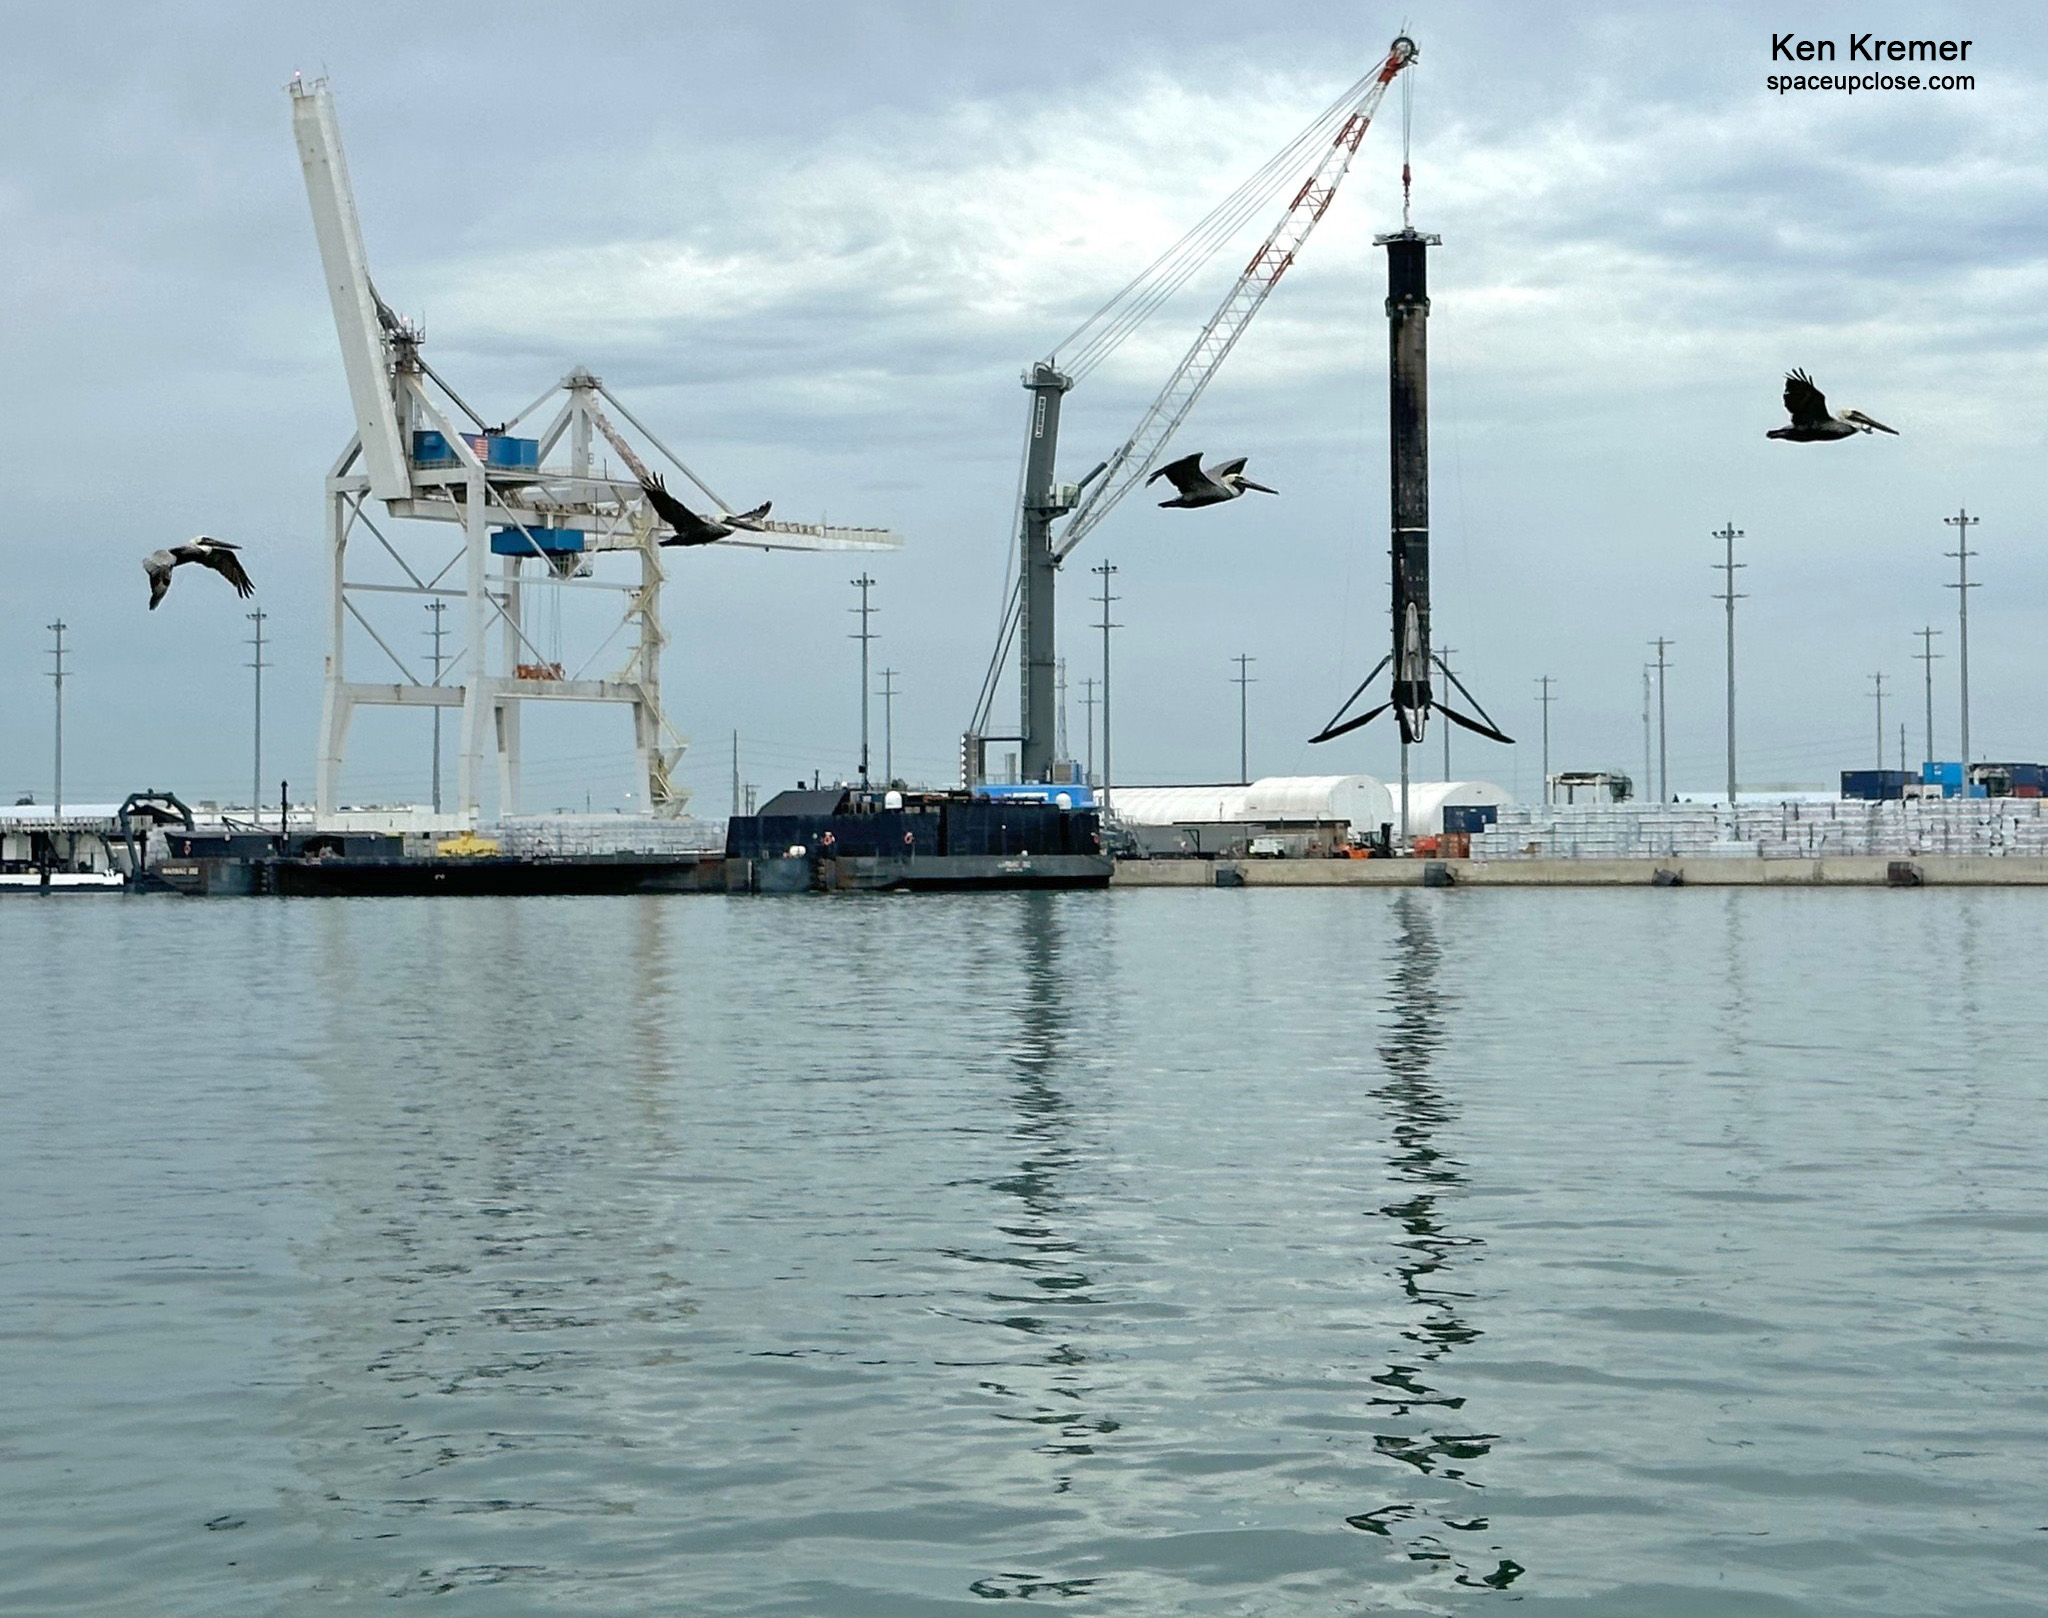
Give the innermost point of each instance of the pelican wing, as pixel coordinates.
(690, 529)
(158, 567)
(223, 560)
(1223, 469)
(1184, 474)
(749, 519)
(1805, 403)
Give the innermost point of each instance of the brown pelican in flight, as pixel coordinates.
(1224, 481)
(217, 554)
(689, 528)
(1812, 424)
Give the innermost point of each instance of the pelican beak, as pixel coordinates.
(1248, 484)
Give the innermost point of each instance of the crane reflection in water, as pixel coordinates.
(1045, 1287)
(1417, 1417)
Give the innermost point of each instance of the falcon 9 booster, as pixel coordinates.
(1408, 470)
(1411, 696)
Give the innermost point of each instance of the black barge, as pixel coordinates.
(865, 839)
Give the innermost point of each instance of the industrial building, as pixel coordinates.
(1293, 815)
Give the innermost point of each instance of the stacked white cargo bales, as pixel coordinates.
(1606, 831)
(1790, 830)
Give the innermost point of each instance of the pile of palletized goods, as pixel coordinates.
(1791, 830)
(1984, 827)
(1604, 831)
(588, 836)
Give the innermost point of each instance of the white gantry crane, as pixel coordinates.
(1324, 150)
(534, 513)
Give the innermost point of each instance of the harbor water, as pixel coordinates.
(1267, 1251)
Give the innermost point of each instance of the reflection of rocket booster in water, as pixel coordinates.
(1411, 658)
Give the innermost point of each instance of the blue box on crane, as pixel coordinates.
(496, 450)
(537, 541)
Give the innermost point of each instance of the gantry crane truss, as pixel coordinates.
(1328, 146)
(544, 525)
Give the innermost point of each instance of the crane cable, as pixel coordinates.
(1104, 331)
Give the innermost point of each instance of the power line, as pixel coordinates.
(1107, 572)
(1962, 522)
(1241, 681)
(863, 584)
(1088, 702)
(257, 664)
(1729, 595)
(1929, 656)
(57, 674)
(437, 606)
(889, 719)
(1663, 749)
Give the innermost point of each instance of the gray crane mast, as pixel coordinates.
(1038, 571)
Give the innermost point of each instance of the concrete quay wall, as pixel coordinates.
(1844, 870)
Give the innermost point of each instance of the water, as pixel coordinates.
(1254, 1252)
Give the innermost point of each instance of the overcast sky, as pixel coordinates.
(813, 246)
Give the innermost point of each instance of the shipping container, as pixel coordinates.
(532, 541)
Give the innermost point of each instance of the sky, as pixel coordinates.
(814, 247)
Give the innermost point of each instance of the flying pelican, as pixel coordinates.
(1811, 423)
(1226, 481)
(691, 529)
(217, 554)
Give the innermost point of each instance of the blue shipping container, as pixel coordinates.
(1874, 785)
(430, 449)
(529, 541)
(1469, 817)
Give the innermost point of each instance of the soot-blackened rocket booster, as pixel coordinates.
(1413, 656)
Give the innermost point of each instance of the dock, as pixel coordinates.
(1831, 871)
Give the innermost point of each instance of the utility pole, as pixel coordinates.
(1088, 701)
(1244, 679)
(1648, 754)
(1443, 658)
(736, 774)
(1728, 597)
(1663, 749)
(1878, 682)
(57, 674)
(1962, 522)
(1546, 682)
(1929, 656)
(889, 720)
(1060, 752)
(1105, 626)
(1902, 747)
(863, 584)
(437, 607)
(257, 663)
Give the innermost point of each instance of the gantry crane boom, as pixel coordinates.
(1198, 367)
(1030, 613)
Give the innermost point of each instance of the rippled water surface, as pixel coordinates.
(1254, 1252)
